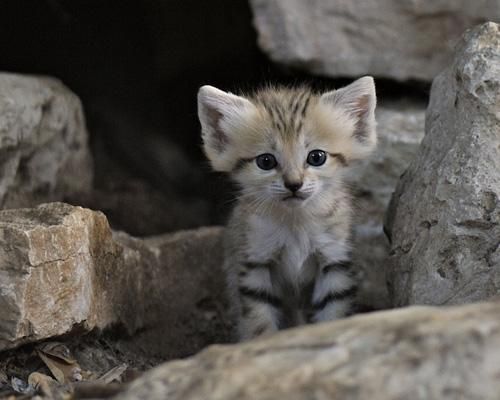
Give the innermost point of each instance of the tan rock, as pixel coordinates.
(413, 353)
(61, 268)
(44, 154)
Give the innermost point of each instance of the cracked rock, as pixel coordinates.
(394, 39)
(44, 154)
(444, 219)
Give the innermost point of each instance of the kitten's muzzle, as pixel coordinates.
(294, 197)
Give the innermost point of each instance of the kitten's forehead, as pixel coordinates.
(285, 108)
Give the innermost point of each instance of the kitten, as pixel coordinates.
(287, 244)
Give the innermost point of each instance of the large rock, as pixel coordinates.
(415, 353)
(43, 142)
(444, 220)
(54, 261)
(386, 38)
(62, 268)
(400, 128)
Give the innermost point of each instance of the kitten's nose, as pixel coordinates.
(293, 186)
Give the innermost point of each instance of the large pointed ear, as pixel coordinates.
(358, 101)
(221, 116)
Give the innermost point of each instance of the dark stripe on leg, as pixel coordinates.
(254, 265)
(335, 296)
(245, 310)
(242, 273)
(343, 266)
(260, 296)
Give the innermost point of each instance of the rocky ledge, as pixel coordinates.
(413, 353)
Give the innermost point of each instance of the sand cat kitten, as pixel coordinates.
(287, 249)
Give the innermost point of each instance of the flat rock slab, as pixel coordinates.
(414, 353)
(44, 154)
(61, 268)
(394, 39)
(444, 218)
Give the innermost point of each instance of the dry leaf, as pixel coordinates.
(41, 383)
(57, 350)
(53, 366)
(64, 372)
(114, 374)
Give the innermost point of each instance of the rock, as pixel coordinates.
(50, 261)
(61, 268)
(387, 38)
(182, 289)
(400, 128)
(413, 353)
(43, 142)
(444, 218)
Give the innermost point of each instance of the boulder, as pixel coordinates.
(394, 39)
(61, 269)
(400, 128)
(444, 218)
(181, 304)
(43, 142)
(413, 353)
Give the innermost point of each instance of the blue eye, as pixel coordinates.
(266, 161)
(316, 158)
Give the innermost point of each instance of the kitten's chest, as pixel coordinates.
(292, 248)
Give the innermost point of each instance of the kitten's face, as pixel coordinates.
(286, 147)
(287, 167)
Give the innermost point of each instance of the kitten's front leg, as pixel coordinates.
(335, 291)
(260, 305)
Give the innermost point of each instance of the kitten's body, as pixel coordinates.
(287, 250)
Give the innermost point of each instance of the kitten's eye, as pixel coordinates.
(266, 161)
(316, 158)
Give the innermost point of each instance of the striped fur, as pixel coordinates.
(287, 257)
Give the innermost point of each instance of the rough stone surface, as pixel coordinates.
(400, 128)
(61, 268)
(182, 290)
(444, 219)
(388, 38)
(414, 353)
(43, 142)
(51, 259)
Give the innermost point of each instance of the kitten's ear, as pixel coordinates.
(358, 100)
(221, 115)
